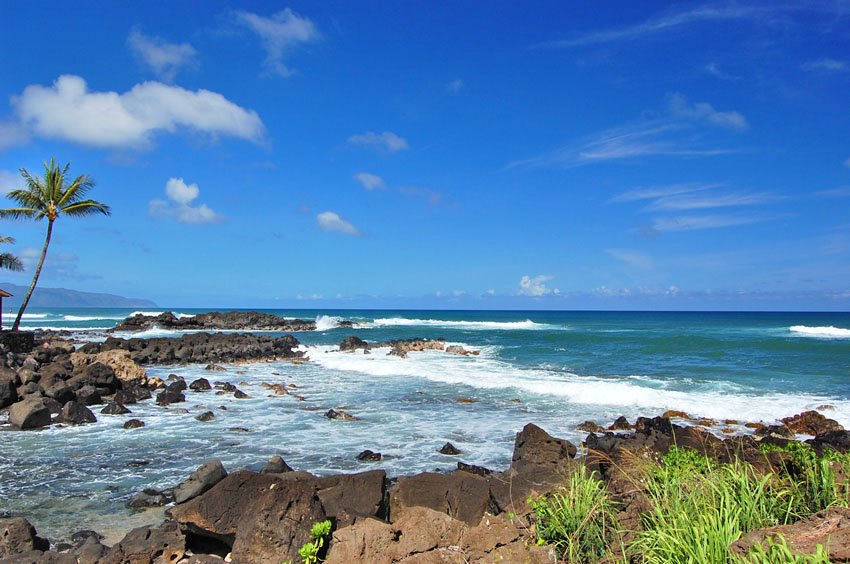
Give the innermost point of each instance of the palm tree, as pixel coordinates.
(8, 260)
(50, 197)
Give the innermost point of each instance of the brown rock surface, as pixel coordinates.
(830, 528)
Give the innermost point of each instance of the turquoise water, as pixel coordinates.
(552, 368)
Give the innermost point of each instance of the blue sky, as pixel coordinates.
(542, 155)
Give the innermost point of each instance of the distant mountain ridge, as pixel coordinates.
(63, 297)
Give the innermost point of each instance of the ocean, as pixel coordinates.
(555, 369)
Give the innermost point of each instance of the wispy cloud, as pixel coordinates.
(387, 141)
(653, 192)
(633, 258)
(678, 132)
(370, 181)
(684, 202)
(826, 65)
(655, 26)
(714, 70)
(10, 181)
(280, 34)
(433, 198)
(535, 286)
(839, 192)
(69, 111)
(179, 204)
(163, 57)
(454, 86)
(699, 222)
(332, 222)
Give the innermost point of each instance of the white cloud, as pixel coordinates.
(656, 25)
(67, 110)
(679, 106)
(839, 192)
(715, 71)
(697, 222)
(10, 181)
(536, 286)
(433, 198)
(826, 65)
(280, 34)
(331, 221)
(387, 140)
(677, 132)
(653, 192)
(847, 163)
(454, 86)
(632, 258)
(369, 181)
(683, 202)
(163, 57)
(179, 204)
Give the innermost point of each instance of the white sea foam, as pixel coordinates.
(89, 318)
(35, 316)
(822, 332)
(503, 325)
(641, 393)
(326, 322)
(156, 313)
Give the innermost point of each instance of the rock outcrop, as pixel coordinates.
(219, 321)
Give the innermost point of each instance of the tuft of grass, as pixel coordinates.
(778, 552)
(579, 520)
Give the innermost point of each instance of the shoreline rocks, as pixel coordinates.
(219, 321)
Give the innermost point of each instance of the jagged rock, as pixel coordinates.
(536, 448)
(150, 497)
(345, 496)
(590, 427)
(165, 543)
(134, 424)
(276, 465)
(126, 397)
(278, 389)
(168, 397)
(350, 344)
(459, 350)
(239, 394)
(620, 424)
(473, 469)
(829, 528)
(119, 361)
(261, 517)
(218, 321)
(449, 449)
(811, 423)
(205, 416)
(76, 413)
(215, 368)
(115, 408)
(200, 385)
(29, 414)
(209, 474)
(776, 431)
(61, 392)
(88, 395)
(340, 415)
(8, 390)
(836, 440)
(17, 536)
(370, 456)
(461, 495)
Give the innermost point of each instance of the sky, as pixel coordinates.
(476, 155)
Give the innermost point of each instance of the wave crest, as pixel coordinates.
(829, 332)
(484, 325)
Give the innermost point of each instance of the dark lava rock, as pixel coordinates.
(29, 414)
(239, 394)
(218, 321)
(150, 497)
(125, 397)
(200, 385)
(88, 395)
(215, 368)
(165, 543)
(620, 424)
(340, 415)
(345, 495)
(811, 423)
(17, 536)
(461, 495)
(61, 392)
(370, 456)
(276, 465)
(590, 427)
(168, 397)
(141, 393)
(449, 448)
(8, 391)
(836, 440)
(115, 408)
(134, 424)
(205, 416)
(76, 413)
(534, 447)
(775, 430)
(177, 385)
(202, 479)
(473, 469)
(353, 343)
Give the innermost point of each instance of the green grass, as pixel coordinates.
(579, 520)
(778, 552)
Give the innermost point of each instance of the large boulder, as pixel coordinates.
(350, 344)
(29, 414)
(165, 543)
(8, 390)
(18, 536)
(829, 528)
(534, 449)
(260, 517)
(352, 495)
(461, 495)
(119, 361)
(836, 440)
(76, 413)
(61, 392)
(206, 476)
(811, 423)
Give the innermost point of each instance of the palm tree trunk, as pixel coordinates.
(34, 277)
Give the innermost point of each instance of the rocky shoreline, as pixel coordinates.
(472, 514)
(219, 321)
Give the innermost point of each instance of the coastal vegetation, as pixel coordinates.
(9, 261)
(50, 197)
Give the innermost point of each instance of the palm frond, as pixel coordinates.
(75, 191)
(26, 198)
(18, 213)
(86, 207)
(11, 262)
(7, 240)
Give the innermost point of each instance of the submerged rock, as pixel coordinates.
(811, 423)
(205, 416)
(449, 448)
(276, 465)
(370, 456)
(133, 424)
(202, 479)
(76, 413)
(340, 415)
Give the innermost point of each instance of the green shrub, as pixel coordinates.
(579, 520)
(778, 552)
(309, 552)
